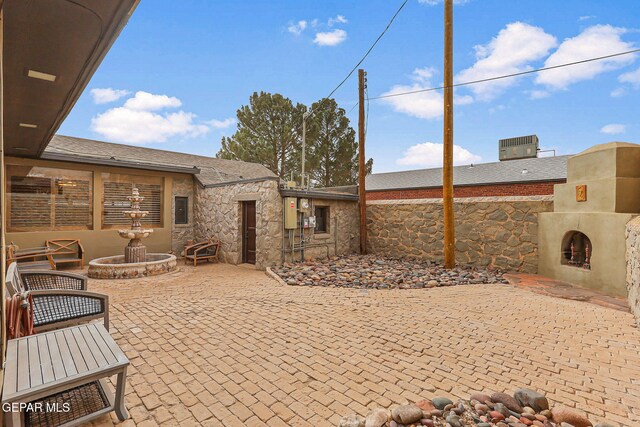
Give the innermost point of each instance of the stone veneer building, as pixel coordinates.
(77, 189)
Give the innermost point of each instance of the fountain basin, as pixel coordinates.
(114, 267)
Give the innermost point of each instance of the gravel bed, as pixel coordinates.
(375, 272)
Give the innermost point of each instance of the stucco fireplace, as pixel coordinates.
(583, 240)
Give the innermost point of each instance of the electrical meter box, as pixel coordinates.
(312, 222)
(290, 213)
(304, 205)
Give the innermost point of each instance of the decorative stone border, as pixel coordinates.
(526, 408)
(114, 267)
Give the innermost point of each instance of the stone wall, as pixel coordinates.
(497, 232)
(633, 266)
(218, 216)
(342, 237)
(181, 233)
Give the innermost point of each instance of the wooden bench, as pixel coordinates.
(66, 251)
(31, 258)
(62, 375)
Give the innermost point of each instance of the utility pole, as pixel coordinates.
(362, 81)
(305, 116)
(447, 179)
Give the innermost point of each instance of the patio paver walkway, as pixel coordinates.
(226, 345)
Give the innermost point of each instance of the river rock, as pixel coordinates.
(441, 402)
(377, 417)
(351, 421)
(480, 397)
(508, 401)
(532, 399)
(406, 414)
(571, 416)
(426, 405)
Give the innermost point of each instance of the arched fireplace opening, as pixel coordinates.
(576, 250)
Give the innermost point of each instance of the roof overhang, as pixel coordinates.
(74, 158)
(478, 184)
(51, 50)
(317, 194)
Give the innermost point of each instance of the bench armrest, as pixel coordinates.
(42, 279)
(207, 249)
(59, 308)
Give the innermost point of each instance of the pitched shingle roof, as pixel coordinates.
(212, 170)
(523, 170)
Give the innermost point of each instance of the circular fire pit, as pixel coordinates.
(115, 267)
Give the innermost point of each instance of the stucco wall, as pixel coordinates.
(98, 242)
(218, 216)
(633, 266)
(180, 233)
(490, 231)
(343, 236)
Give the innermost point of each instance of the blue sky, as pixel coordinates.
(180, 70)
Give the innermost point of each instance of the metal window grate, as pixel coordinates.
(82, 401)
(182, 210)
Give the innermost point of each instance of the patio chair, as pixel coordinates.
(30, 258)
(66, 251)
(59, 299)
(62, 364)
(202, 251)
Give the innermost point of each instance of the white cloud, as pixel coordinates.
(429, 154)
(222, 124)
(136, 122)
(595, 41)
(585, 18)
(330, 38)
(340, 19)
(511, 51)
(632, 77)
(538, 94)
(423, 105)
(149, 102)
(618, 92)
(105, 95)
(613, 129)
(297, 28)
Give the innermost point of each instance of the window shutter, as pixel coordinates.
(72, 203)
(30, 202)
(116, 202)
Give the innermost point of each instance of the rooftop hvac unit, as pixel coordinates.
(522, 147)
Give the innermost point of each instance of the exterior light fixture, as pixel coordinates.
(40, 75)
(28, 125)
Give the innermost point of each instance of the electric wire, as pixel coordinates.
(537, 70)
(311, 112)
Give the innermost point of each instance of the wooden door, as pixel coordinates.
(249, 232)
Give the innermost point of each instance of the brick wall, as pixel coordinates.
(495, 190)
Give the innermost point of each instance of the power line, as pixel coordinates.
(599, 58)
(364, 57)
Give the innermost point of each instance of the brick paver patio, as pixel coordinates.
(226, 345)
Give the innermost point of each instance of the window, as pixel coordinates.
(322, 219)
(182, 210)
(118, 187)
(48, 199)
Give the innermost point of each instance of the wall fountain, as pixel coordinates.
(135, 262)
